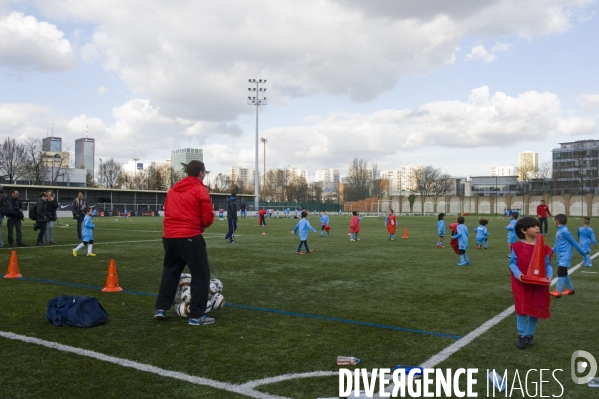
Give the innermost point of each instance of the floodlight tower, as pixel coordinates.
(254, 99)
(264, 141)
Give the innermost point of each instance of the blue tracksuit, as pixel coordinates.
(302, 226)
(564, 242)
(586, 237)
(87, 229)
(441, 228)
(481, 234)
(461, 236)
(324, 219)
(511, 232)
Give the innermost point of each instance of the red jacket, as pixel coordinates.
(543, 210)
(187, 209)
(354, 224)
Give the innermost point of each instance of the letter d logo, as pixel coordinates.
(582, 366)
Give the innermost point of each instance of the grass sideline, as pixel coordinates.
(403, 283)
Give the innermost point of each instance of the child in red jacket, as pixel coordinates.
(354, 226)
(531, 301)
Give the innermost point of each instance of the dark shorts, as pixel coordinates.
(562, 271)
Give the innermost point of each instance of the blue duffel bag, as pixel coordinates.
(76, 311)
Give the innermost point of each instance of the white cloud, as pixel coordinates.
(192, 59)
(26, 43)
(500, 47)
(485, 121)
(102, 90)
(478, 53)
(590, 101)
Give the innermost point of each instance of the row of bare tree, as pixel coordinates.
(27, 161)
(111, 175)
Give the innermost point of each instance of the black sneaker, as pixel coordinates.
(521, 342)
(227, 239)
(21, 245)
(530, 340)
(233, 241)
(41, 244)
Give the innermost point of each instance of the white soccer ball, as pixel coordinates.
(218, 301)
(185, 294)
(212, 289)
(208, 306)
(182, 309)
(219, 285)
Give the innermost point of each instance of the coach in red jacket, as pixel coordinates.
(187, 212)
(542, 212)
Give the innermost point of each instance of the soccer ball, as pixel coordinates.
(218, 284)
(182, 309)
(218, 301)
(185, 294)
(208, 306)
(184, 280)
(212, 289)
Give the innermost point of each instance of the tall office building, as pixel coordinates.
(400, 180)
(327, 175)
(85, 151)
(185, 156)
(528, 162)
(52, 144)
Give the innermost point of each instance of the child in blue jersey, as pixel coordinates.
(462, 237)
(586, 236)
(324, 221)
(86, 233)
(303, 226)
(482, 234)
(511, 230)
(441, 229)
(564, 242)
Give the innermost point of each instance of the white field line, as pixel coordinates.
(239, 389)
(285, 377)
(459, 344)
(103, 243)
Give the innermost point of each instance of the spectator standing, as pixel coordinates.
(14, 213)
(77, 208)
(52, 207)
(41, 223)
(188, 211)
(231, 218)
(3, 200)
(542, 212)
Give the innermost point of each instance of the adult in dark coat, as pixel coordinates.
(41, 210)
(14, 213)
(231, 218)
(77, 207)
(52, 207)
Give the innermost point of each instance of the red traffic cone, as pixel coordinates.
(405, 232)
(112, 280)
(13, 266)
(536, 269)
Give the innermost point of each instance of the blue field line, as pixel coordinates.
(268, 310)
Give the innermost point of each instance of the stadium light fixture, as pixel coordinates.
(256, 101)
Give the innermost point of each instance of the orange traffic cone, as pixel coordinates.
(536, 269)
(112, 280)
(405, 232)
(13, 266)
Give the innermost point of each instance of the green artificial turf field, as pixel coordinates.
(386, 302)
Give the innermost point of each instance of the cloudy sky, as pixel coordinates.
(462, 85)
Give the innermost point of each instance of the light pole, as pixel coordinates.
(264, 141)
(256, 101)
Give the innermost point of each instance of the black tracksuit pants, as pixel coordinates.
(178, 253)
